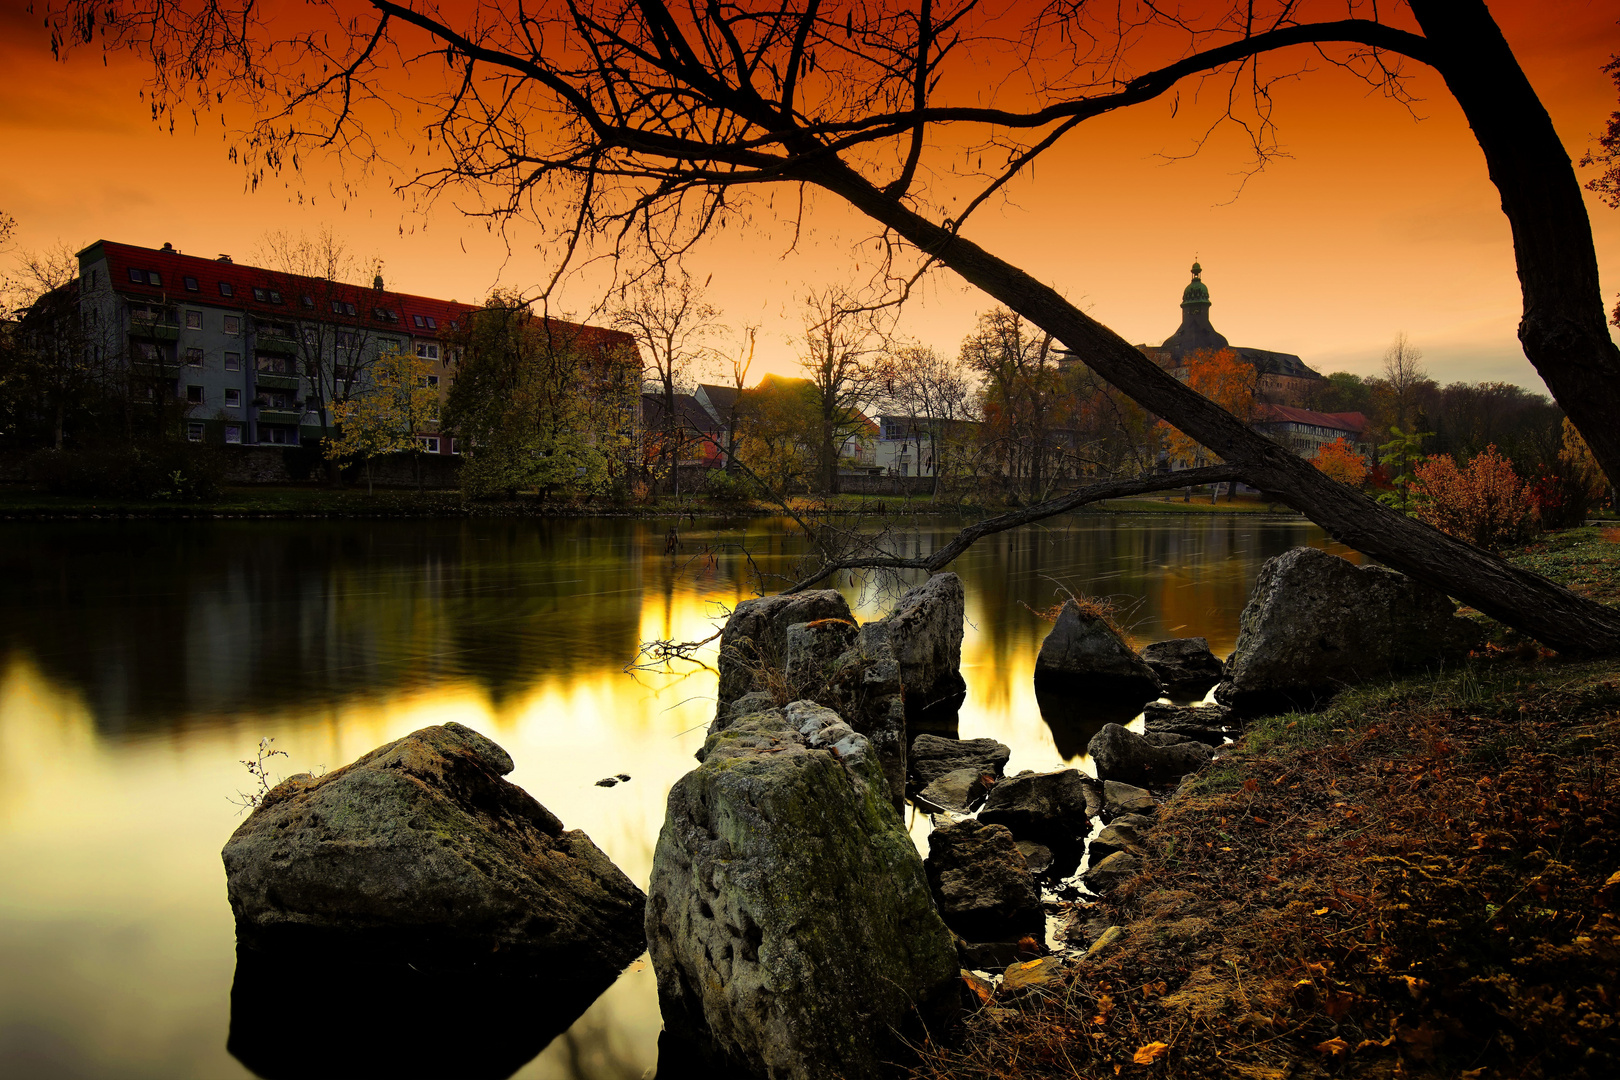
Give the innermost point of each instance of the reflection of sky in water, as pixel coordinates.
(139, 663)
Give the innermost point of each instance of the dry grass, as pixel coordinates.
(1421, 880)
(1091, 607)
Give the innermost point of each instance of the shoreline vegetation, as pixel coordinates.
(309, 501)
(1420, 878)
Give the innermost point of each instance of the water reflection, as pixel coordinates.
(140, 661)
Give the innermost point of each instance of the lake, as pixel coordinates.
(141, 661)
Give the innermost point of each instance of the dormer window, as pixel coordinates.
(225, 289)
(191, 285)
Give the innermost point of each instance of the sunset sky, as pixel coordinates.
(1376, 222)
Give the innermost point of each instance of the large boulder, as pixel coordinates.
(1083, 652)
(1316, 623)
(1185, 666)
(932, 756)
(812, 654)
(1151, 760)
(1047, 807)
(420, 849)
(959, 792)
(1205, 723)
(754, 639)
(982, 882)
(925, 632)
(789, 917)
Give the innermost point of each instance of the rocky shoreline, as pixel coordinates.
(794, 928)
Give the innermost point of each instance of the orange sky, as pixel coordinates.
(1375, 224)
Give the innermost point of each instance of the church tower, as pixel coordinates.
(1195, 332)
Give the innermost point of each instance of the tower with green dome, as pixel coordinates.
(1195, 331)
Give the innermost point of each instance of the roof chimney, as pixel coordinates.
(377, 283)
(223, 258)
(169, 248)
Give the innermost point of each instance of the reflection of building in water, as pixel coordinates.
(1283, 377)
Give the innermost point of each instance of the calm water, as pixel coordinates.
(140, 661)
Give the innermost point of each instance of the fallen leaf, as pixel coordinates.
(1334, 1046)
(1151, 1053)
(1320, 911)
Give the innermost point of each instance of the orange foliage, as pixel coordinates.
(1229, 382)
(1339, 460)
(1485, 503)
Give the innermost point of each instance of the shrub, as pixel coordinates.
(168, 469)
(723, 485)
(1484, 503)
(1339, 460)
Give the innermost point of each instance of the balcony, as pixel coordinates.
(275, 380)
(269, 415)
(148, 330)
(268, 342)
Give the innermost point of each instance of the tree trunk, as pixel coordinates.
(1552, 614)
(1564, 329)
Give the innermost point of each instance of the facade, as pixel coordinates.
(257, 356)
(1284, 379)
(695, 433)
(1305, 431)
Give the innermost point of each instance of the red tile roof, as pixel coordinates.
(440, 317)
(1352, 422)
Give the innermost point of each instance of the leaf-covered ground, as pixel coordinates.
(1422, 879)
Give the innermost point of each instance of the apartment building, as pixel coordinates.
(256, 356)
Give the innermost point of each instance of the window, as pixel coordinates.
(347, 339)
(343, 307)
(433, 381)
(233, 361)
(194, 357)
(233, 324)
(137, 276)
(433, 324)
(194, 395)
(154, 278)
(89, 280)
(233, 399)
(191, 284)
(430, 443)
(225, 289)
(194, 431)
(379, 314)
(233, 432)
(193, 320)
(275, 297)
(419, 322)
(307, 300)
(276, 433)
(146, 351)
(261, 295)
(427, 351)
(312, 335)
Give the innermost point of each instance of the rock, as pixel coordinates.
(1111, 873)
(980, 989)
(752, 702)
(1140, 822)
(864, 688)
(981, 882)
(1083, 652)
(1316, 623)
(1046, 807)
(1121, 798)
(420, 849)
(992, 955)
(1184, 665)
(1112, 838)
(789, 918)
(1038, 857)
(925, 632)
(960, 791)
(1205, 723)
(1084, 924)
(1031, 975)
(755, 637)
(933, 756)
(811, 655)
(1120, 754)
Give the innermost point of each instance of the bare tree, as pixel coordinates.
(650, 120)
(935, 397)
(841, 344)
(672, 324)
(1403, 370)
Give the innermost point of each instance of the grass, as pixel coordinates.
(1421, 879)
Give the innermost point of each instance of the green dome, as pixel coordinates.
(1196, 291)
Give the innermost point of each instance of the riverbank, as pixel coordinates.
(294, 502)
(1421, 879)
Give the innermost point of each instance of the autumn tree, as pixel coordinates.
(1023, 401)
(1484, 502)
(385, 417)
(935, 395)
(779, 432)
(651, 123)
(1225, 379)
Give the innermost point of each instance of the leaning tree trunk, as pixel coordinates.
(1564, 329)
(1552, 614)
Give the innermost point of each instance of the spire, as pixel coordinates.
(1196, 291)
